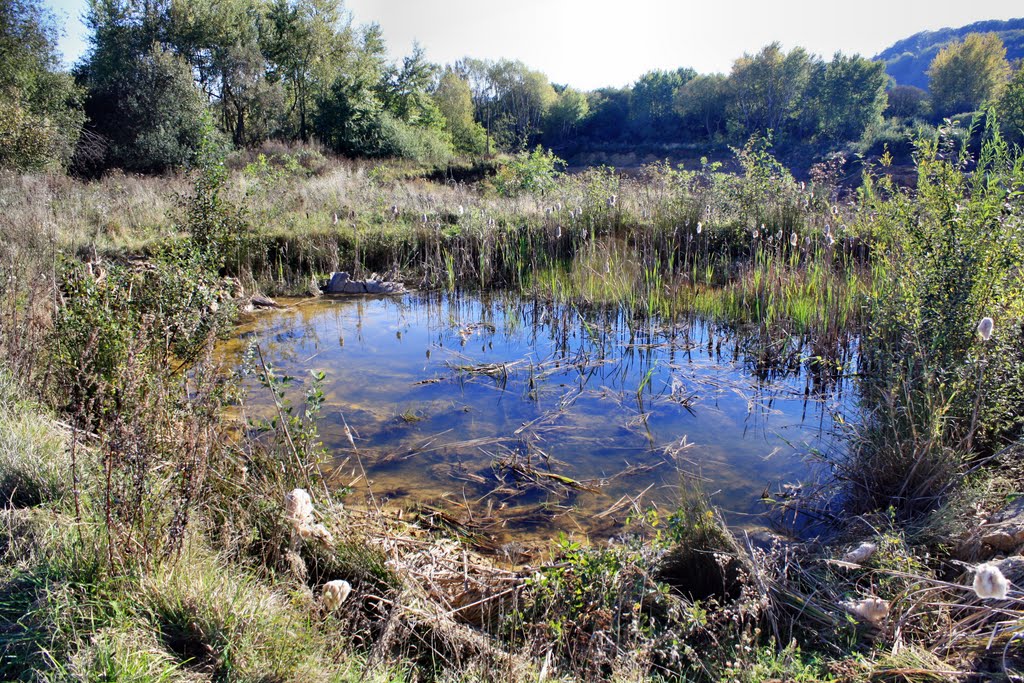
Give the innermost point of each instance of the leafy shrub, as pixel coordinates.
(534, 172)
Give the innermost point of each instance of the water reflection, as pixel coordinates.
(527, 417)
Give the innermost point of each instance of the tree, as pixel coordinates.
(305, 42)
(1011, 108)
(564, 117)
(703, 103)
(651, 112)
(907, 102)
(221, 40)
(40, 106)
(144, 108)
(454, 99)
(767, 89)
(609, 114)
(851, 96)
(404, 91)
(965, 75)
(150, 115)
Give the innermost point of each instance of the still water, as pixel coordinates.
(525, 419)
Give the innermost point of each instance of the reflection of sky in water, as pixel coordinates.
(568, 403)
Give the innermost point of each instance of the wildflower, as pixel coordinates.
(989, 581)
(985, 328)
(335, 593)
(793, 239)
(861, 553)
(830, 239)
(699, 227)
(872, 610)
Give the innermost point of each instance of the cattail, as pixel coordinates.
(861, 553)
(985, 328)
(793, 239)
(872, 610)
(335, 593)
(298, 507)
(989, 581)
(699, 227)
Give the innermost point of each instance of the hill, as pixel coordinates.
(907, 60)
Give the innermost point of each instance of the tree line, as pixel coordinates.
(160, 76)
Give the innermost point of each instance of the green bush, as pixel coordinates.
(534, 172)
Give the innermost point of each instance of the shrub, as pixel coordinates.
(532, 172)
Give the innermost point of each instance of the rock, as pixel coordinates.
(341, 284)
(1005, 531)
(314, 288)
(260, 301)
(1012, 568)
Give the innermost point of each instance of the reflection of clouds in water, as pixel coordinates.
(589, 394)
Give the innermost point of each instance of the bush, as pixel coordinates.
(533, 172)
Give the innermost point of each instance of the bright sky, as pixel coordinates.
(593, 43)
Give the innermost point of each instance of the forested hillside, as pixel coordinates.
(907, 61)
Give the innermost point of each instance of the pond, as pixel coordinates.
(522, 419)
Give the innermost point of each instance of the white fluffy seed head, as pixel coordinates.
(985, 328)
(872, 610)
(298, 506)
(699, 227)
(861, 553)
(335, 593)
(989, 582)
(793, 239)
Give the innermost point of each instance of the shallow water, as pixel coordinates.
(471, 405)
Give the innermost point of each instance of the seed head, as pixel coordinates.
(985, 328)
(861, 553)
(335, 593)
(699, 227)
(989, 581)
(298, 506)
(872, 610)
(793, 239)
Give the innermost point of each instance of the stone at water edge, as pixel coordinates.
(1005, 531)
(341, 283)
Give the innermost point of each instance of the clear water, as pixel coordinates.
(470, 404)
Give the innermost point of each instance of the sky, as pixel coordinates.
(594, 43)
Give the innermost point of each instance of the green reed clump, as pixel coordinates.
(953, 255)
